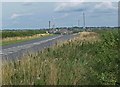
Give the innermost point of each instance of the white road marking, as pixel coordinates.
(26, 46)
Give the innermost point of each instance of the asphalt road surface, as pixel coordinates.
(16, 51)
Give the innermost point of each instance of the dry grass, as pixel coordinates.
(53, 74)
(88, 36)
(74, 62)
(23, 38)
(35, 67)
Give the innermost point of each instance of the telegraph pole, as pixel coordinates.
(83, 20)
(78, 23)
(49, 24)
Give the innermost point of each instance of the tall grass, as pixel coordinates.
(92, 60)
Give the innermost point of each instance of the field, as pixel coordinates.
(21, 33)
(16, 36)
(89, 59)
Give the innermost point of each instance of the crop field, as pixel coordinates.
(90, 59)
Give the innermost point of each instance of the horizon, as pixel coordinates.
(59, 28)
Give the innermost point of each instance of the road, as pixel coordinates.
(16, 51)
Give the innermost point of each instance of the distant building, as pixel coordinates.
(60, 31)
(65, 31)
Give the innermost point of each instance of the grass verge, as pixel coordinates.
(90, 59)
(14, 40)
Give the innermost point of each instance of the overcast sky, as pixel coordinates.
(37, 14)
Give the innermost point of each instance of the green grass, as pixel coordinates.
(76, 62)
(4, 43)
(20, 33)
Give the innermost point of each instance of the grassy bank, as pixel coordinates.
(90, 59)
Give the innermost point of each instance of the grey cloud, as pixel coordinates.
(85, 6)
(90, 7)
(72, 10)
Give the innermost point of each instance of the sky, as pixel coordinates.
(31, 15)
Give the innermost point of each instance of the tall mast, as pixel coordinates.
(78, 23)
(83, 20)
(49, 24)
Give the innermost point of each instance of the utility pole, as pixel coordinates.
(83, 20)
(78, 23)
(49, 24)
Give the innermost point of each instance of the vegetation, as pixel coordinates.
(14, 40)
(20, 33)
(90, 59)
(16, 36)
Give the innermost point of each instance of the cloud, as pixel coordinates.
(105, 7)
(82, 6)
(67, 6)
(16, 15)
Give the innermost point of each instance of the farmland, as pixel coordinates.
(89, 59)
(16, 36)
(21, 33)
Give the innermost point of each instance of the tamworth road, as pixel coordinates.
(15, 51)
